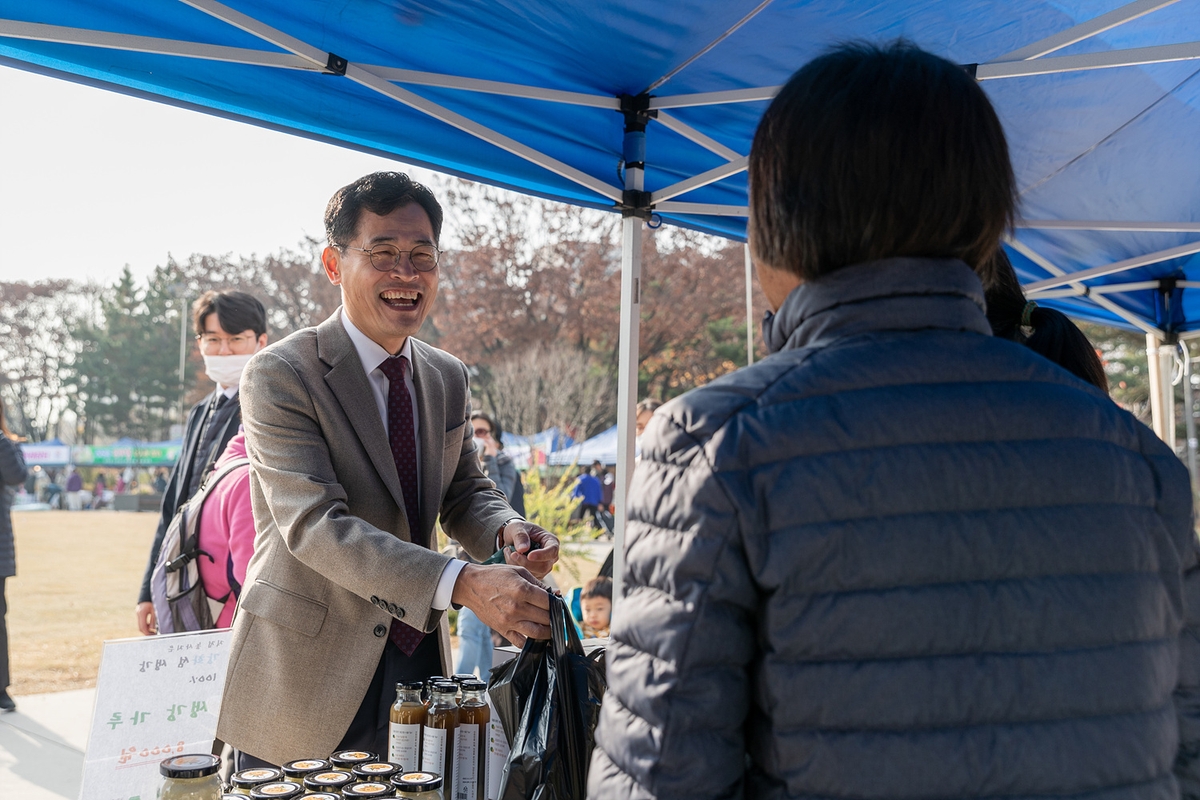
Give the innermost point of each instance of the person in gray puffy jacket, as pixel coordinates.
(899, 557)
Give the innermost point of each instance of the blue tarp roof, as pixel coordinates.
(602, 447)
(1109, 152)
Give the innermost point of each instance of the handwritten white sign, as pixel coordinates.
(156, 697)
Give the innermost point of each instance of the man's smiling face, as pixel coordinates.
(386, 306)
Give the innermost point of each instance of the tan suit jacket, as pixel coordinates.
(333, 560)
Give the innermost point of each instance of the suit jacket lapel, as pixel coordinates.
(431, 410)
(349, 385)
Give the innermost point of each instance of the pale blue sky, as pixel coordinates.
(92, 180)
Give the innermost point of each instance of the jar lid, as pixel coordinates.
(329, 779)
(348, 758)
(276, 791)
(249, 778)
(410, 685)
(303, 766)
(232, 796)
(375, 771)
(474, 685)
(417, 781)
(322, 796)
(460, 677)
(445, 686)
(190, 765)
(369, 789)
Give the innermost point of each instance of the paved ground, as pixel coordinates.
(42, 745)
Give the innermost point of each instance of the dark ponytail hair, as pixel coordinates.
(1053, 335)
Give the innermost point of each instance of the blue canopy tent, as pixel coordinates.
(602, 447)
(649, 109)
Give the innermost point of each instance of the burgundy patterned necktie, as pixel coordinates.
(404, 452)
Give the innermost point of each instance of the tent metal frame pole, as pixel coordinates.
(370, 80)
(1189, 415)
(482, 86)
(1133, 57)
(629, 339)
(1146, 326)
(1108, 225)
(749, 305)
(715, 98)
(1120, 266)
(703, 179)
(1086, 30)
(713, 209)
(693, 135)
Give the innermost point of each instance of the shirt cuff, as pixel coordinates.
(445, 587)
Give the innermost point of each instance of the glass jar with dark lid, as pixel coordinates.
(279, 790)
(418, 785)
(294, 771)
(345, 759)
(192, 776)
(379, 771)
(330, 780)
(369, 789)
(247, 779)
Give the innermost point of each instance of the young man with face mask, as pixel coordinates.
(230, 327)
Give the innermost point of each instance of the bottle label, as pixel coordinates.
(497, 745)
(404, 746)
(433, 751)
(466, 763)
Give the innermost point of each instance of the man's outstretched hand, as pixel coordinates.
(507, 599)
(521, 536)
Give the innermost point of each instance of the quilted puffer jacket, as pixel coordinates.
(900, 558)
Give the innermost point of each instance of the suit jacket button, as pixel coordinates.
(381, 631)
(399, 613)
(374, 599)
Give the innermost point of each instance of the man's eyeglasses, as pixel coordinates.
(386, 257)
(212, 344)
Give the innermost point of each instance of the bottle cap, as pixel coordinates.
(190, 765)
(417, 781)
(474, 685)
(410, 686)
(277, 791)
(249, 778)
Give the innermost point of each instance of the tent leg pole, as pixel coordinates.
(749, 306)
(1153, 342)
(1189, 413)
(627, 381)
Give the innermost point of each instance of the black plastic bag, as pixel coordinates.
(548, 700)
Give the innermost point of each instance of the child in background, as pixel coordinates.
(595, 601)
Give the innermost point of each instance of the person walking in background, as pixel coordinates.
(12, 473)
(227, 532)
(74, 490)
(160, 481)
(900, 557)
(590, 492)
(608, 485)
(98, 490)
(475, 647)
(230, 327)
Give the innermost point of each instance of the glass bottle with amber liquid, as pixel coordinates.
(437, 735)
(470, 743)
(404, 730)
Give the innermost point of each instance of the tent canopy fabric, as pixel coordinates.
(1100, 99)
(602, 447)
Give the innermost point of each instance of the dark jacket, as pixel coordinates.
(12, 473)
(900, 558)
(195, 460)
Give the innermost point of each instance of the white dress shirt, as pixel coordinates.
(372, 355)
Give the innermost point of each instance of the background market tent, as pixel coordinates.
(649, 109)
(602, 447)
(521, 449)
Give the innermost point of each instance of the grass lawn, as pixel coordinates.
(78, 575)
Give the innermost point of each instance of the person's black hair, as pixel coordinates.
(380, 193)
(497, 431)
(1045, 331)
(236, 312)
(873, 152)
(597, 587)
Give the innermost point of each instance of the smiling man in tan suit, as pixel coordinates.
(359, 439)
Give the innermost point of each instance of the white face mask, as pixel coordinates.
(226, 370)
